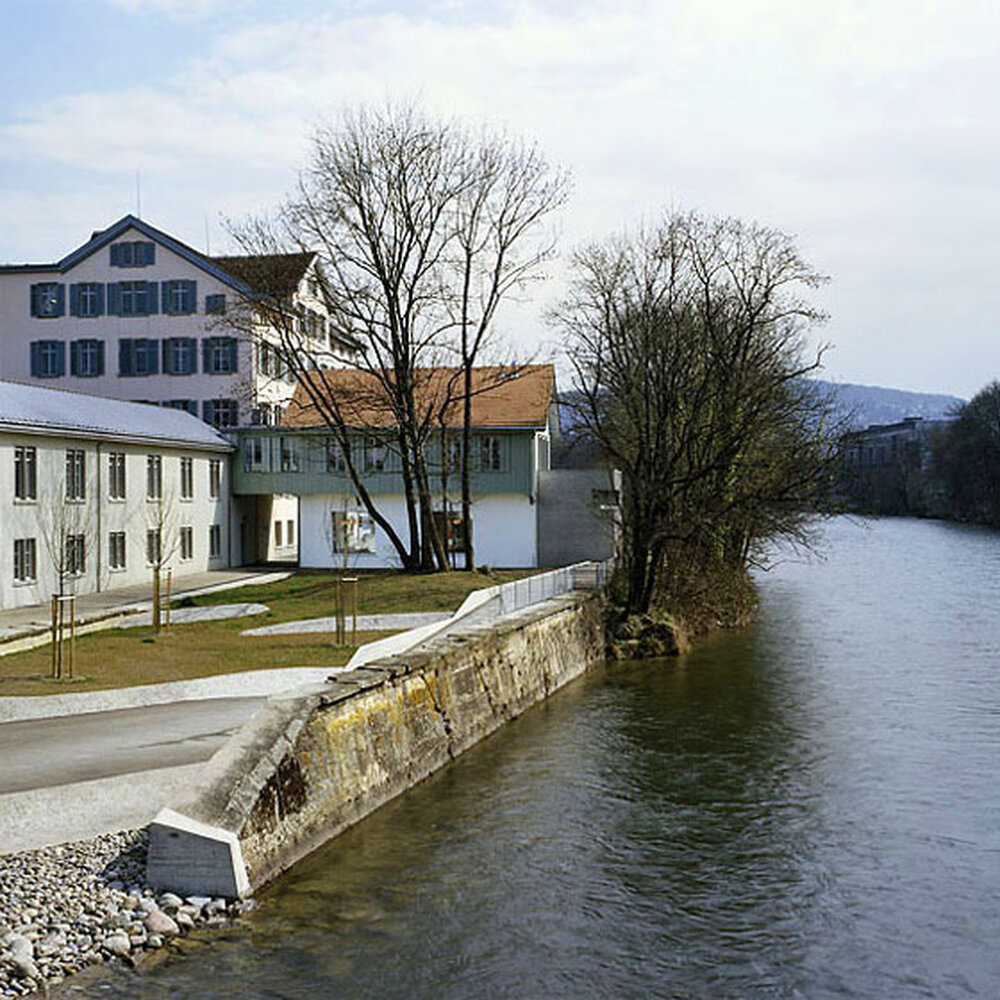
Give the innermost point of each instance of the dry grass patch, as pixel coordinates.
(126, 657)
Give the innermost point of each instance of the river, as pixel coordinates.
(807, 808)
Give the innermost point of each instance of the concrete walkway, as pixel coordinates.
(366, 623)
(24, 628)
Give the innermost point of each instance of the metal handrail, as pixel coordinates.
(491, 603)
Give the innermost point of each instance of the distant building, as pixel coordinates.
(93, 491)
(524, 513)
(886, 468)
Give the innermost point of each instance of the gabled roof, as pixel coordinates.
(102, 237)
(32, 409)
(502, 398)
(275, 274)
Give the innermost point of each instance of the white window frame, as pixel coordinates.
(187, 478)
(25, 473)
(154, 477)
(25, 560)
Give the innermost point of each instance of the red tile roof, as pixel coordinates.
(501, 397)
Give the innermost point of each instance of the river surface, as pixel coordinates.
(806, 808)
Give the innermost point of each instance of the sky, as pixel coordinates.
(867, 129)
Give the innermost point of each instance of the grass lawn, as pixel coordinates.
(125, 657)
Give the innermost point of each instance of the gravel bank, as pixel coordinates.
(65, 908)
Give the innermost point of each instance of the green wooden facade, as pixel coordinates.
(274, 460)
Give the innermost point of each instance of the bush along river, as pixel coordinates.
(807, 808)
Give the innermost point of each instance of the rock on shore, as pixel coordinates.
(68, 907)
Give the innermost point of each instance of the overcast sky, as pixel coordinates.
(866, 129)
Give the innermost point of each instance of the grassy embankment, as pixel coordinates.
(124, 657)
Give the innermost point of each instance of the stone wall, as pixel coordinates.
(316, 760)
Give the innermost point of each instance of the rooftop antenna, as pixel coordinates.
(138, 196)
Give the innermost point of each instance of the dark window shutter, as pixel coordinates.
(166, 344)
(74, 300)
(34, 300)
(124, 357)
(60, 358)
(233, 355)
(116, 255)
(150, 255)
(152, 357)
(192, 296)
(74, 358)
(99, 304)
(191, 357)
(208, 411)
(151, 289)
(114, 299)
(192, 407)
(36, 359)
(100, 357)
(206, 355)
(165, 293)
(60, 300)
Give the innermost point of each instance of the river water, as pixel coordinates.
(806, 808)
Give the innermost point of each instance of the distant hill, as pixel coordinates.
(862, 405)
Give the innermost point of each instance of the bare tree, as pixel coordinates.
(422, 231)
(687, 345)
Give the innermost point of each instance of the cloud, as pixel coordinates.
(868, 130)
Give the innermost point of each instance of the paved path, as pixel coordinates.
(41, 753)
(22, 628)
(366, 623)
(214, 612)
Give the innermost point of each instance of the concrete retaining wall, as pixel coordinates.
(316, 760)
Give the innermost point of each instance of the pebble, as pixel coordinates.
(68, 907)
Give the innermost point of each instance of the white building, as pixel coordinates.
(94, 492)
(135, 314)
(514, 422)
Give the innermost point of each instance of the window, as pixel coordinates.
(221, 412)
(86, 299)
(219, 356)
(48, 358)
(86, 358)
(48, 299)
(138, 356)
(25, 473)
(253, 454)
(116, 475)
(376, 454)
(189, 405)
(116, 550)
(76, 555)
(489, 454)
(336, 461)
(153, 546)
(214, 478)
(154, 477)
(187, 542)
(277, 534)
(289, 454)
(214, 541)
(266, 414)
(24, 560)
(215, 305)
(187, 478)
(353, 531)
(180, 356)
(76, 474)
(135, 253)
(132, 298)
(290, 532)
(179, 297)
